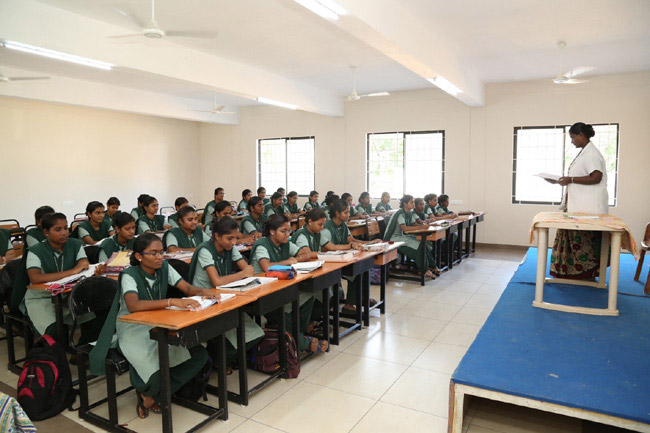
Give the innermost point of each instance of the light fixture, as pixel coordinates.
(328, 9)
(445, 85)
(276, 103)
(56, 55)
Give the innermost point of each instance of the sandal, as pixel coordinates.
(155, 408)
(142, 411)
(317, 346)
(430, 274)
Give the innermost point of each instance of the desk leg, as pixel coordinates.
(613, 273)
(474, 238)
(359, 303)
(335, 315)
(439, 254)
(165, 390)
(221, 375)
(365, 288)
(383, 275)
(460, 246)
(450, 249)
(295, 318)
(542, 251)
(467, 240)
(423, 256)
(604, 254)
(282, 342)
(241, 358)
(326, 314)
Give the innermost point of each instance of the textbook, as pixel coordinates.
(247, 283)
(179, 255)
(338, 256)
(307, 267)
(117, 262)
(72, 278)
(205, 303)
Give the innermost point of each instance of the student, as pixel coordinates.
(412, 248)
(384, 204)
(418, 211)
(336, 231)
(254, 221)
(221, 209)
(57, 257)
(138, 211)
(150, 221)
(364, 207)
(332, 198)
(312, 201)
(275, 248)
(95, 228)
(275, 206)
(188, 236)
(7, 253)
(291, 206)
(430, 208)
(217, 262)
(354, 214)
(284, 193)
(35, 234)
(328, 194)
(124, 226)
(143, 287)
(112, 208)
(173, 218)
(219, 194)
(261, 193)
(245, 196)
(443, 209)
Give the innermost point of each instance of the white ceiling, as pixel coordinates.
(280, 46)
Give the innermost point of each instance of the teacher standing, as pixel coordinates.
(576, 253)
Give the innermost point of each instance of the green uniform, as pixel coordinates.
(339, 235)
(178, 238)
(266, 200)
(109, 219)
(441, 210)
(382, 207)
(353, 211)
(364, 210)
(411, 247)
(112, 245)
(243, 205)
(326, 209)
(145, 224)
(309, 206)
(34, 236)
(249, 224)
(270, 210)
(173, 220)
(304, 238)
(428, 210)
(136, 213)
(291, 208)
(421, 215)
(86, 229)
(5, 242)
(207, 212)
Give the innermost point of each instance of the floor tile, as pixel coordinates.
(458, 334)
(452, 298)
(389, 347)
(430, 309)
(440, 357)
(464, 286)
(413, 326)
(471, 316)
(251, 426)
(183, 419)
(263, 397)
(387, 418)
(483, 301)
(422, 390)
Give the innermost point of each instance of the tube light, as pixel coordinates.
(56, 55)
(328, 9)
(445, 85)
(276, 103)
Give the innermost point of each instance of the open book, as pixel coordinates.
(72, 278)
(548, 176)
(247, 283)
(307, 267)
(205, 303)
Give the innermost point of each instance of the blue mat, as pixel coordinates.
(626, 284)
(600, 364)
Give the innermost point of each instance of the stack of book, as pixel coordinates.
(338, 256)
(117, 262)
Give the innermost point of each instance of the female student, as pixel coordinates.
(254, 221)
(384, 204)
(150, 221)
(328, 194)
(138, 211)
(35, 234)
(283, 192)
(261, 193)
(189, 235)
(7, 253)
(354, 214)
(208, 211)
(336, 231)
(364, 207)
(112, 207)
(217, 262)
(173, 218)
(221, 209)
(312, 202)
(401, 219)
(332, 198)
(95, 228)
(275, 206)
(57, 257)
(124, 226)
(275, 248)
(143, 287)
(418, 211)
(431, 201)
(443, 209)
(245, 196)
(291, 206)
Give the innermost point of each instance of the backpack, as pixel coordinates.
(197, 386)
(267, 357)
(45, 384)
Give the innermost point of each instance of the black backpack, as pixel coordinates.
(196, 387)
(45, 384)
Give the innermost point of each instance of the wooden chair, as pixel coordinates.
(645, 246)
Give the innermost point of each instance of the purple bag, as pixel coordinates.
(267, 357)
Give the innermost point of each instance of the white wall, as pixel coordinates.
(53, 153)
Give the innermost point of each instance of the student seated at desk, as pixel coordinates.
(384, 204)
(7, 253)
(253, 223)
(283, 192)
(261, 193)
(173, 218)
(401, 219)
(188, 236)
(275, 248)
(337, 232)
(312, 201)
(328, 194)
(329, 202)
(124, 226)
(143, 287)
(291, 206)
(364, 207)
(150, 221)
(217, 262)
(95, 228)
(57, 257)
(245, 196)
(354, 214)
(443, 209)
(219, 194)
(431, 201)
(138, 211)
(35, 234)
(418, 211)
(112, 208)
(275, 206)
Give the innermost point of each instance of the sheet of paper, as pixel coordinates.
(247, 283)
(205, 303)
(554, 177)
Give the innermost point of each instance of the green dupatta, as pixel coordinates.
(156, 224)
(111, 245)
(339, 233)
(183, 239)
(276, 254)
(223, 262)
(96, 235)
(313, 239)
(258, 224)
(409, 220)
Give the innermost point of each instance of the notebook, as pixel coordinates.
(205, 303)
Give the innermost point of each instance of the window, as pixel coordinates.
(286, 163)
(405, 163)
(548, 149)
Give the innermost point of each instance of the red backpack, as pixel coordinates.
(267, 356)
(45, 384)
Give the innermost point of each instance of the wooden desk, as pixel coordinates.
(383, 260)
(358, 228)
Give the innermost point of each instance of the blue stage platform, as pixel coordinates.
(598, 364)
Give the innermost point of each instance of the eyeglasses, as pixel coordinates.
(284, 231)
(154, 254)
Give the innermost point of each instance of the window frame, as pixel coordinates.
(404, 133)
(564, 132)
(286, 159)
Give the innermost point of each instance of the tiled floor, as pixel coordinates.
(390, 377)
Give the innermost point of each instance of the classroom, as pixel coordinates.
(399, 150)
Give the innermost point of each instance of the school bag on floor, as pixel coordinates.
(45, 384)
(267, 358)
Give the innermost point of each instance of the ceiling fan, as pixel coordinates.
(218, 109)
(354, 96)
(4, 79)
(151, 29)
(568, 77)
